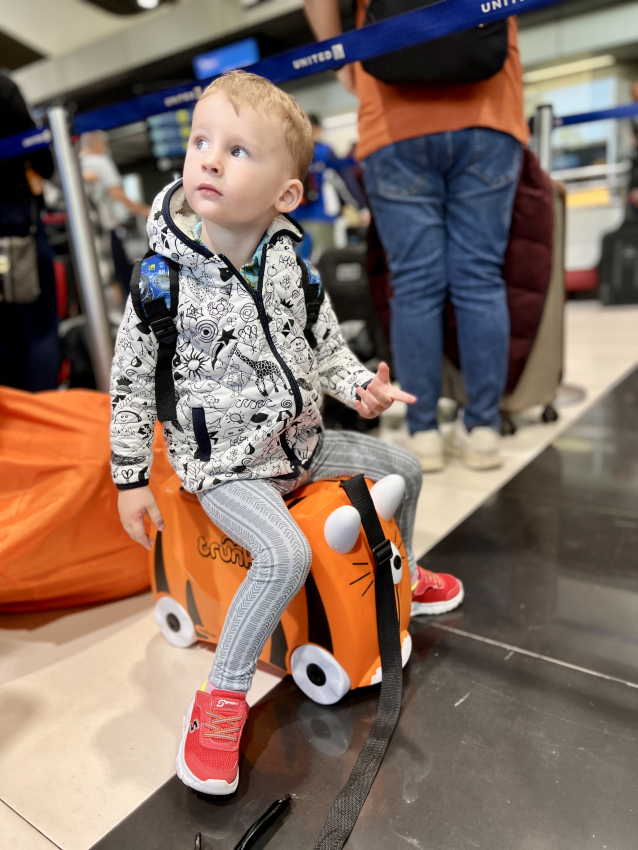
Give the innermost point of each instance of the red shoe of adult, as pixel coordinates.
(435, 593)
(207, 759)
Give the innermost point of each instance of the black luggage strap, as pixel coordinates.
(347, 806)
(159, 318)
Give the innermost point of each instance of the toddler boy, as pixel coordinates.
(249, 373)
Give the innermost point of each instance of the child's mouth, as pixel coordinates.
(209, 191)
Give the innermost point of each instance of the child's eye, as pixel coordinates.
(239, 153)
(201, 144)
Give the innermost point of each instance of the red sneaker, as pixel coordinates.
(208, 754)
(435, 593)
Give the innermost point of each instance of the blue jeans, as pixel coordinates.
(443, 204)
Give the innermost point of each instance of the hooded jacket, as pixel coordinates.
(248, 384)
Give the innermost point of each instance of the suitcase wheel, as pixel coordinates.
(550, 414)
(508, 428)
(318, 674)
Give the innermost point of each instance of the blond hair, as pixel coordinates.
(245, 89)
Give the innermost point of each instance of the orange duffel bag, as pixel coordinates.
(61, 541)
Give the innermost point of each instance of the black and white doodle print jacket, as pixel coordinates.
(248, 385)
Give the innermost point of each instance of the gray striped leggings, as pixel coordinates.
(254, 515)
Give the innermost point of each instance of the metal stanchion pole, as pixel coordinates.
(91, 292)
(543, 129)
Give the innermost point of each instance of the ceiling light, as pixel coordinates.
(568, 69)
(148, 4)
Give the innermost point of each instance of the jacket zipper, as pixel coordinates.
(263, 318)
(256, 296)
(261, 310)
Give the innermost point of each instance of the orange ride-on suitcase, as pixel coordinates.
(327, 637)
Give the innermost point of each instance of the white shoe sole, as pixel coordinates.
(482, 462)
(438, 607)
(431, 464)
(474, 461)
(216, 787)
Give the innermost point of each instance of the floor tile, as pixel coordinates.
(514, 754)
(550, 563)
(106, 695)
(441, 508)
(99, 728)
(17, 834)
(31, 642)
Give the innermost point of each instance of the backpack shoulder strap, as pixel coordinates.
(155, 296)
(314, 296)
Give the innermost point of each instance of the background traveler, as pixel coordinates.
(441, 165)
(321, 204)
(113, 206)
(29, 345)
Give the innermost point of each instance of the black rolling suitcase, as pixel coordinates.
(343, 273)
(618, 267)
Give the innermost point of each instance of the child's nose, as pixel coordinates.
(213, 163)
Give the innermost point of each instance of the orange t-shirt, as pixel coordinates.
(389, 114)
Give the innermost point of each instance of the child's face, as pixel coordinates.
(237, 169)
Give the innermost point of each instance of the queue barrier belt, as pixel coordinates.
(406, 30)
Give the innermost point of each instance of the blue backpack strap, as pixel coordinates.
(314, 295)
(155, 296)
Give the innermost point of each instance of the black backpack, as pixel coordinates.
(463, 57)
(618, 268)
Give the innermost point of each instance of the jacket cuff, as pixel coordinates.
(134, 485)
(363, 386)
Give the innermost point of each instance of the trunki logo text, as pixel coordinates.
(336, 52)
(227, 551)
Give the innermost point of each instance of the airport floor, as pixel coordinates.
(518, 729)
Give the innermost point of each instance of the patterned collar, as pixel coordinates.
(249, 271)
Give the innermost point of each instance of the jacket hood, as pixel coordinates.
(172, 219)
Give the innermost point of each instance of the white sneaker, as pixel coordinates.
(428, 448)
(478, 448)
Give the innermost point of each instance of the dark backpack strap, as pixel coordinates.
(136, 299)
(156, 316)
(314, 296)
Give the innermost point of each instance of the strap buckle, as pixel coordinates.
(382, 552)
(164, 329)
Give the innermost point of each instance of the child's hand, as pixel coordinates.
(379, 395)
(133, 505)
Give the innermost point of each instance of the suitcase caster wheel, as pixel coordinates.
(174, 623)
(508, 428)
(318, 674)
(549, 414)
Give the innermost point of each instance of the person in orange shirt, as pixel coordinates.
(441, 165)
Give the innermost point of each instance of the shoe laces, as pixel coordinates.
(227, 734)
(432, 580)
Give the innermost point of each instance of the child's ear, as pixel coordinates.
(290, 197)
